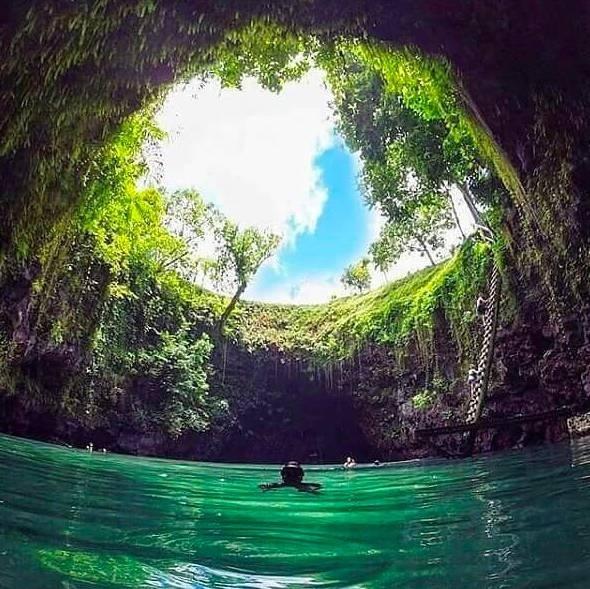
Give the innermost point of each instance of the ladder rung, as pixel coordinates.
(492, 423)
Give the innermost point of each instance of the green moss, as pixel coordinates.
(392, 315)
(423, 399)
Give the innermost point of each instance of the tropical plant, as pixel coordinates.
(180, 365)
(188, 218)
(266, 52)
(413, 155)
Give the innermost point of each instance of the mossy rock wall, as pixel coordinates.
(73, 72)
(356, 376)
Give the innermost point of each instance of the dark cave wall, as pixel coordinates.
(364, 406)
(276, 412)
(279, 408)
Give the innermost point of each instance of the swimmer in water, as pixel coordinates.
(292, 475)
(350, 462)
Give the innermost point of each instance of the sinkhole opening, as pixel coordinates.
(300, 172)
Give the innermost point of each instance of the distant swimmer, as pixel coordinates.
(292, 475)
(350, 462)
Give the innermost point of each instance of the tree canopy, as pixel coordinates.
(413, 152)
(239, 255)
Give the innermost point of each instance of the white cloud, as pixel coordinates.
(301, 290)
(251, 151)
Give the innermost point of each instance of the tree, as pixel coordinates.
(357, 277)
(188, 218)
(423, 236)
(427, 87)
(240, 253)
(180, 367)
(124, 222)
(412, 156)
(416, 222)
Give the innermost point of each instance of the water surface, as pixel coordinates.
(72, 520)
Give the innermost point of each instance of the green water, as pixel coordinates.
(70, 520)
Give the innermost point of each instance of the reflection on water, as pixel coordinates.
(74, 520)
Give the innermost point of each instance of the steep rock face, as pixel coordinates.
(368, 406)
(539, 366)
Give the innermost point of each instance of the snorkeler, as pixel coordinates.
(292, 475)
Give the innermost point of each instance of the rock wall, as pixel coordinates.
(525, 76)
(281, 409)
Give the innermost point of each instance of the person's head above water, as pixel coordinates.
(292, 473)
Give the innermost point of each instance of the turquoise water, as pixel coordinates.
(72, 520)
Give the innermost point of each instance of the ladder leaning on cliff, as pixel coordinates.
(479, 377)
(479, 385)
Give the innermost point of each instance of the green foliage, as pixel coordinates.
(116, 257)
(409, 152)
(239, 255)
(188, 218)
(125, 221)
(119, 164)
(180, 366)
(357, 277)
(240, 252)
(422, 233)
(76, 73)
(187, 211)
(264, 51)
(116, 282)
(423, 399)
(149, 368)
(429, 88)
(109, 292)
(396, 315)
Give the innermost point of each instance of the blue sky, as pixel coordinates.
(340, 237)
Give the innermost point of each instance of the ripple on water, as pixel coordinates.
(69, 519)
